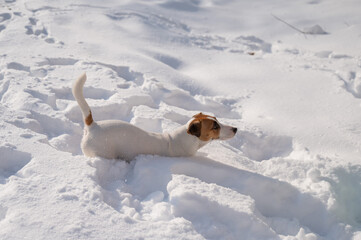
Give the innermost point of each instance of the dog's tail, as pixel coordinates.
(78, 95)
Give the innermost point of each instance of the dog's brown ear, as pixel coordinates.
(198, 115)
(195, 128)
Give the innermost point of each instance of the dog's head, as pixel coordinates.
(208, 128)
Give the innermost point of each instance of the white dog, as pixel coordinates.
(117, 139)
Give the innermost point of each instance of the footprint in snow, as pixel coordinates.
(4, 87)
(4, 17)
(63, 135)
(89, 92)
(150, 20)
(3, 211)
(125, 72)
(238, 45)
(34, 27)
(180, 98)
(167, 60)
(352, 82)
(34, 72)
(18, 66)
(11, 161)
(252, 43)
(186, 6)
(58, 62)
(48, 99)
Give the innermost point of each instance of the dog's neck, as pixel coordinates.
(183, 144)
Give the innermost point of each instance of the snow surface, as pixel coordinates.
(292, 171)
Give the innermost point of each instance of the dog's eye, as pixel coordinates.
(216, 126)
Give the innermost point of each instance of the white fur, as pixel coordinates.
(226, 132)
(117, 139)
(79, 97)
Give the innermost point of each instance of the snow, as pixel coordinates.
(287, 74)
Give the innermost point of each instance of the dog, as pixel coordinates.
(115, 139)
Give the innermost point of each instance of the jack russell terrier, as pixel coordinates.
(117, 139)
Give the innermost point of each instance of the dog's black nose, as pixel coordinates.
(234, 130)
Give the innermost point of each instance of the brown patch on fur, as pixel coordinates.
(89, 119)
(203, 116)
(204, 127)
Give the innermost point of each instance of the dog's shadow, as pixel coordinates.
(273, 199)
